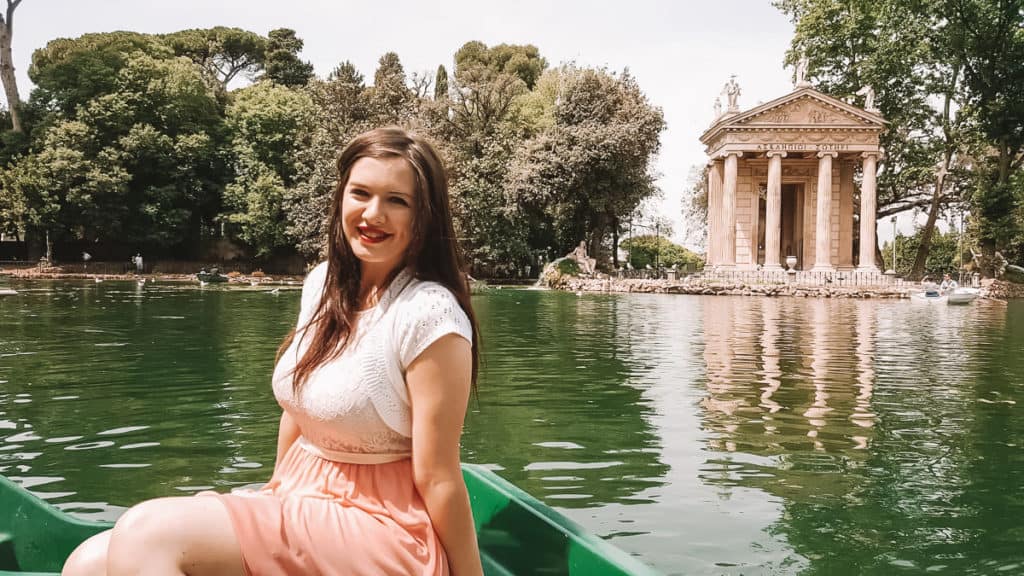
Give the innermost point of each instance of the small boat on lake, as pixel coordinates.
(932, 296)
(517, 534)
(8, 292)
(213, 277)
(963, 295)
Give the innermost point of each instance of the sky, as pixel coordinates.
(681, 52)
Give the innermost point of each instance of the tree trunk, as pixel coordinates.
(7, 65)
(917, 270)
(615, 242)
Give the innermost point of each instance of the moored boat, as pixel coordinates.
(963, 296)
(517, 534)
(8, 292)
(928, 296)
(210, 277)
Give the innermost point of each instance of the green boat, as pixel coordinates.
(517, 534)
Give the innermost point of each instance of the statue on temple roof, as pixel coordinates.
(732, 92)
(869, 98)
(801, 73)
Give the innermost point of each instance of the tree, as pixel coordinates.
(267, 123)
(986, 36)
(70, 72)
(592, 168)
(441, 83)
(521, 61)
(220, 51)
(660, 252)
(390, 97)
(902, 50)
(341, 109)
(7, 64)
(695, 206)
(282, 59)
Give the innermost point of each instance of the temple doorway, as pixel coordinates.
(792, 237)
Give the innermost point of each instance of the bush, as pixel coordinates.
(651, 250)
(568, 267)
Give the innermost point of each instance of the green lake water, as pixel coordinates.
(706, 435)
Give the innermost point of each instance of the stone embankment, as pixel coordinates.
(993, 289)
(1002, 290)
(725, 288)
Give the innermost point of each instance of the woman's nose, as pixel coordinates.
(374, 210)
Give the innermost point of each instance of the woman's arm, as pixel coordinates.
(287, 433)
(439, 384)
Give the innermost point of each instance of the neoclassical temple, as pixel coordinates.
(781, 184)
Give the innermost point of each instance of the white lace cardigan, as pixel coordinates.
(356, 407)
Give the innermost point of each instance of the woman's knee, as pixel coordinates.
(141, 531)
(89, 558)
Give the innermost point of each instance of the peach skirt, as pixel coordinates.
(321, 517)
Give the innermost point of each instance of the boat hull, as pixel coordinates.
(517, 534)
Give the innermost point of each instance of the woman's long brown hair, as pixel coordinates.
(433, 253)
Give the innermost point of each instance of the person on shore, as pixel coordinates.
(374, 383)
(948, 284)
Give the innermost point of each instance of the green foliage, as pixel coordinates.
(568, 267)
(591, 168)
(948, 81)
(221, 52)
(267, 122)
(441, 83)
(136, 140)
(71, 72)
(282, 59)
(658, 251)
(942, 258)
(521, 61)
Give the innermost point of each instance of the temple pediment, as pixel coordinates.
(808, 111)
(804, 109)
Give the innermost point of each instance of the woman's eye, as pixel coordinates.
(399, 200)
(358, 192)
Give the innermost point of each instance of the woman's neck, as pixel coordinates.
(373, 282)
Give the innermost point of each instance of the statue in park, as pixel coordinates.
(869, 98)
(579, 254)
(801, 73)
(732, 92)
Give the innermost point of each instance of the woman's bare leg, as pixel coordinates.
(166, 536)
(90, 558)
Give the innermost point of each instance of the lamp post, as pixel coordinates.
(893, 269)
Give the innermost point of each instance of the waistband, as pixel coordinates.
(351, 457)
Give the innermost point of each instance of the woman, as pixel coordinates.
(374, 383)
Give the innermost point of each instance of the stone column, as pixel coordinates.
(823, 217)
(773, 212)
(729, 209)
(845, 226)
(868, 208)
(715, 213)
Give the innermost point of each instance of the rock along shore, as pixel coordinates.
(990, 288)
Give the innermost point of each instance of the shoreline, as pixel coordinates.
(248, 280)
(990, 289)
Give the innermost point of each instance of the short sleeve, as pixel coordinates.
(312, 292)
(430, 313)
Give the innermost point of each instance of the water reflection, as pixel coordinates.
(872, 436)
(559, 412)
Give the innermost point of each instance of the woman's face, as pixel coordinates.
(377, 211)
